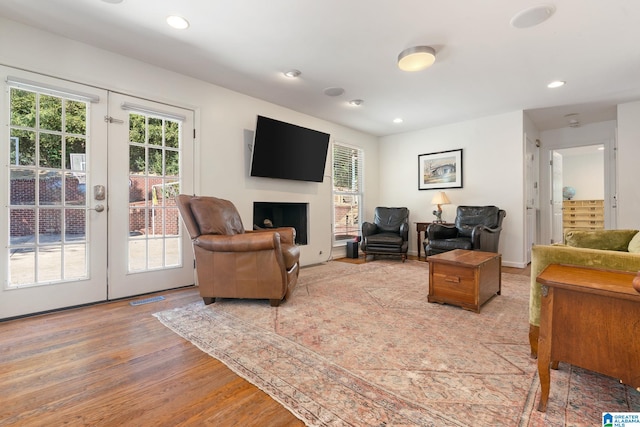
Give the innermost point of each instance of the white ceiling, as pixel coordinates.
(484, 66)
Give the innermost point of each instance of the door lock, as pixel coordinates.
(99, 192)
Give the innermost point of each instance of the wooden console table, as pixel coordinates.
(589, 318)
(421, 227)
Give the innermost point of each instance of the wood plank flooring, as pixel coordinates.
(114, 364)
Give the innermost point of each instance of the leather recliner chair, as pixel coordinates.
(232, 262)
(388, 234)
(476, 228)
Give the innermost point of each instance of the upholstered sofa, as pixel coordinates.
(607, 249)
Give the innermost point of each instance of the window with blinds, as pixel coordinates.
(347, 191)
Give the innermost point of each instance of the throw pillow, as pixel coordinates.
(634, 244)
(608, 240)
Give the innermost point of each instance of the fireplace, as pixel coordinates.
(274, 214)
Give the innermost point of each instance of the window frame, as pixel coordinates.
(354, 231)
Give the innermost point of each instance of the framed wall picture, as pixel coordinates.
(440, 170)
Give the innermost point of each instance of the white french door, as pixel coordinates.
(86, 211)
(150, 161)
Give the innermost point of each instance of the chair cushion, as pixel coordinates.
(634, 244)
(612, 240)
(467, 217)
(216, 216)
(451, 244)
(390, 219)
(391, 239)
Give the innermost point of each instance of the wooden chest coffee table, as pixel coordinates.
(464, 278)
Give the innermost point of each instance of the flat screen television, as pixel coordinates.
(286, 151)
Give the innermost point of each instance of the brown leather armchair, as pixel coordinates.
(232, 262)
(477, 228)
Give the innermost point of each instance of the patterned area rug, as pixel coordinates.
(359, 345)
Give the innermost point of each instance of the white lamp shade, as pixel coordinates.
(440, 199)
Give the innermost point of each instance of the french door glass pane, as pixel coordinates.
(154, 181)
(47, 212)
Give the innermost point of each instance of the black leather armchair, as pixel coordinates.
(476, 228)
(388, 234)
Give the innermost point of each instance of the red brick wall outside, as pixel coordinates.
(142, 208)
(23, 192)
(22, 220)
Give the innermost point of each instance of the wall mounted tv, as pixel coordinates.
(286, 151)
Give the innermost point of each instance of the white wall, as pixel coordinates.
(225, 121)
(492, 174)
(628, 160)
(585, 173)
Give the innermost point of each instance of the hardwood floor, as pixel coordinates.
(114, 364)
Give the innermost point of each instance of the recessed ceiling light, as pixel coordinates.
(398, 120)
(532, 16)
(177, 22)
(356, 102)
(333, 91)
(555, 84)
(292, 74)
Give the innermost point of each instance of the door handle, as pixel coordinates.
(98, 208)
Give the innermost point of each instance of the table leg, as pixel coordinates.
(419, 244)
(544, 346)
(545, 381)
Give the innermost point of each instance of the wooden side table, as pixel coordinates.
(464, 278)
(590, 318)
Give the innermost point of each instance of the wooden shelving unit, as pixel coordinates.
(583, 214)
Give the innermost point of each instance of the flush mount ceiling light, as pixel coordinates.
(292, 74)
(112, 1)
(556, 84)
(416, 58)
(177, 22)
(356, 102)
(532, 16)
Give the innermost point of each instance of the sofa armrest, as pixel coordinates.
(404, 232)
(369, 228)
(287, 234)
(246, 242)
(441, 231)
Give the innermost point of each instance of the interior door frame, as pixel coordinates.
(610, 180)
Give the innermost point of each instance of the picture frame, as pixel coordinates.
(440, 170)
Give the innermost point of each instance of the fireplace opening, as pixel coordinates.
(273, 215)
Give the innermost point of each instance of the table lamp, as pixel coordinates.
(439, 199)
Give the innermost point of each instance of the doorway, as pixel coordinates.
(581, 189)
(71, 153)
